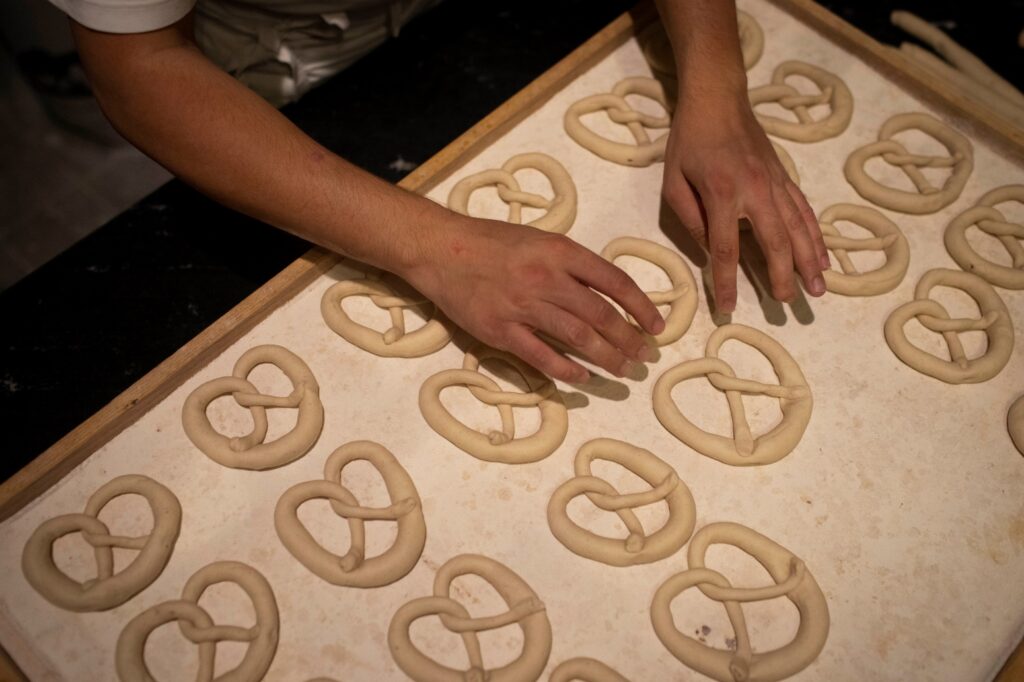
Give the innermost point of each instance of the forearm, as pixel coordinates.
(705, 43)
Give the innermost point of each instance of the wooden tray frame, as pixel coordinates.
(74, 448)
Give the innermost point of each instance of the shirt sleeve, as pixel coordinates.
(125, 16)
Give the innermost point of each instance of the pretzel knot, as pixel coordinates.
(791, 580)
(638, 547)
(927, 198)
(395, 341)
(198, 627)
(107, 589)
(250, 451)
(614, 104)
(743, 448)
(959, 369)
(497, 445)
(354, 569)
(831, 91)
(525, 610)
(990, 220)
(886, 237)
(560, 209)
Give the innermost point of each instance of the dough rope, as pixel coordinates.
(198, 627)
(354, 569)
(959, 369)
(681, 298)
(585, 669)
(743, 449)
(560, 209)
(395, 342)
(787, 162)
(107, 589)
(848, 280)
(645, 151)
(791, 580)
(638, 547)
(987, 218)
(657, 49)
(928, 198)
(1015, 423)
(525, 610)
(497, 446)
(831, 91)
(250, 452)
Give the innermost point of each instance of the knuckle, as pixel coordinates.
(720, 185)
(778, 242)
(606, 317)
(577, 333)
(724, 252)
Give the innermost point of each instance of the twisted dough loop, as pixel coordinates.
(586, 669)
(526, 611)
(560, 208)
(1015, 423)
(831, 90)
(637, 548)
(888, 238)
(791, 580)
(987, 218)
(198, 627)
(959, 369)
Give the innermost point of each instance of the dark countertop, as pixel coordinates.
(95, 319)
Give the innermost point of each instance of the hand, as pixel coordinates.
(503, 282)
(720, 167)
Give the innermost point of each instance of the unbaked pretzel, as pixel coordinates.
(250, 452)
(990, 220)
(1015, 423)
(560, 208)
(638, 547)
(395, 342)
(831, 90)
(526, 611)
(743, 449)
(681, 298)
(959, 369)
(645, 151)
(586, 669)
(927, 198)
(497, 446)
(791, 580)
(198, 627)
(888, 238)
(354, 569)
(107, 589)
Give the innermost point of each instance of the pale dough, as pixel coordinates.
(638, 547)
(743, 449)
(354, 569)
(990, 220)
(560, 209)
(1015, 423)
(525, 610)
(585, 669)
(658, 50)
(787, 162)
(497, 446)
(645, 151)
(791, 580)
(928, 198)
(107, 589)
(198, 627)
(888, 238)
(681, 298)
(831, 91)
(959, 369)
(395, 342)
(250, 452)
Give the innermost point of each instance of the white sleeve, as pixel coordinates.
(125, 16)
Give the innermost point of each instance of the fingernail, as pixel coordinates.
(581, 376)
(826, 262)
(658, 326)
(818, 285)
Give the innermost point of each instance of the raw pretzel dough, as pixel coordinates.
(526, 610)
(927, 198)
(658, 50)
(354, 569)
(787, 162)
(107, 589)
(743, 449)
(561, 208)
(995, 322)
(990, 220)
(792, 580)
(198, 627)
(497, 446)
(586, 669)
(637, 548)
(888, 238)
(681, 298)
(645, 151)
(395, 342)
(832, 91)
(1015, 423)
(250, 452)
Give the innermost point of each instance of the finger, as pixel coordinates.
(808, 264)
(813, 227)
(682, 200)
(597, 273)
(773, 236)
(604, 318)
(724, 248)
(580, 337)
(522, 342)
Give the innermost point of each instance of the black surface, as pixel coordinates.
(91, 322)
